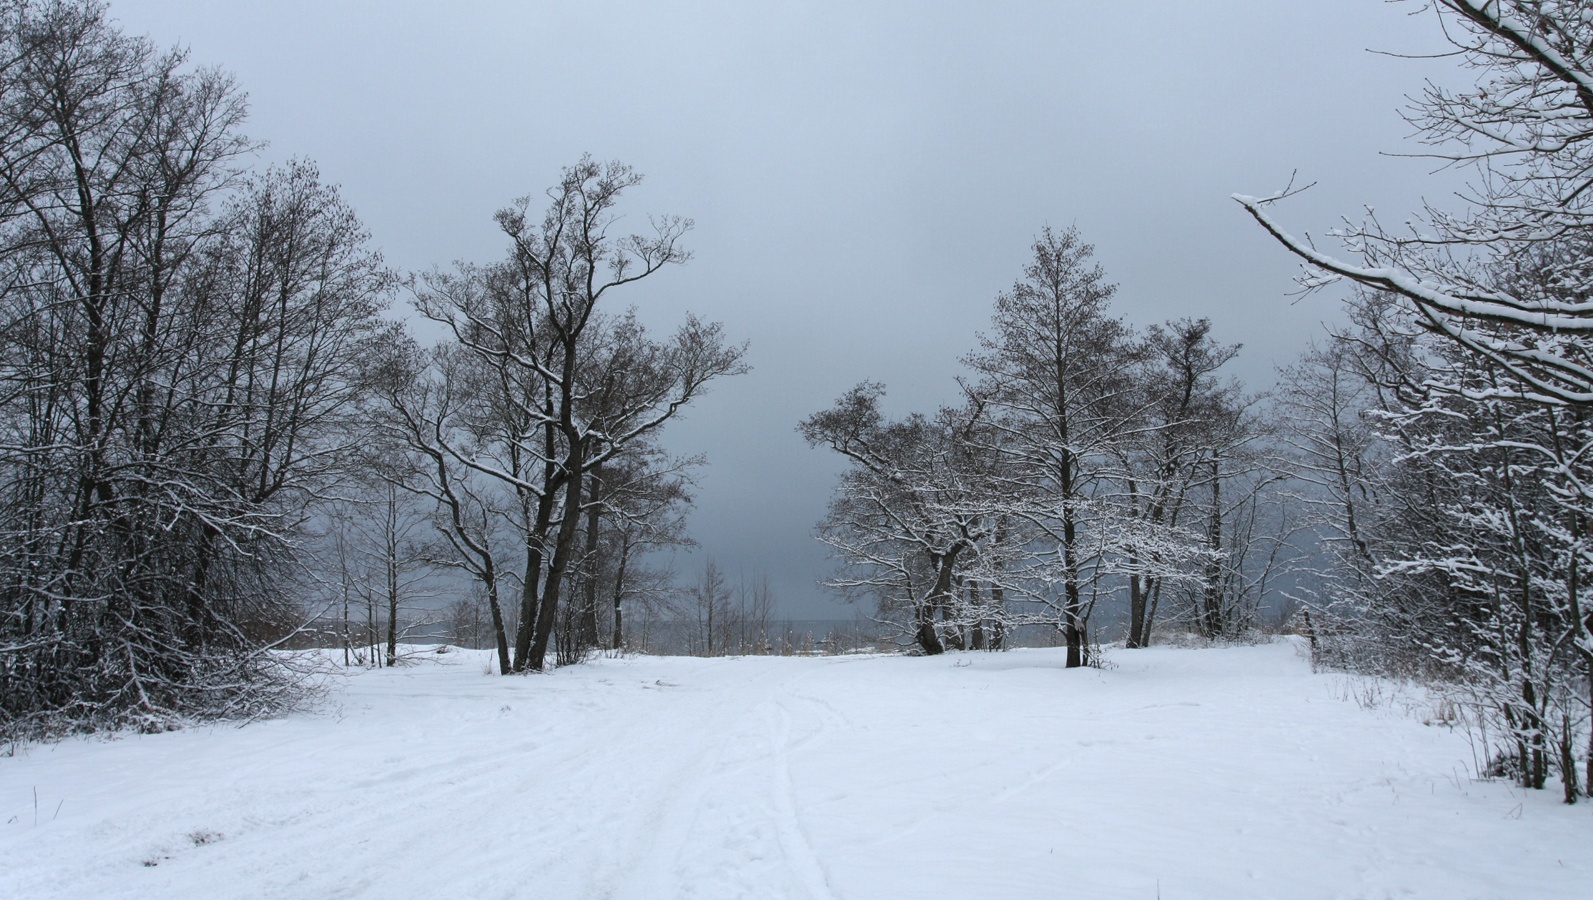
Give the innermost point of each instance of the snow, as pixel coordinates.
(1219, 773)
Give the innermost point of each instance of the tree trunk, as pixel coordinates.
(530, 596)
(1136, 610)
(1566, 746)
(372, 635)
(347, 636)
(1136, 581)
(197, 615)
(563, 549)
(998, 600)
(499, 635)
(1583, 642)
(1072, 602)
(618, 640)
(390, 558)
(1212, 621)
(1153, 588)
(978, 638)
(588, 619)
(928, 639)
(953, 627)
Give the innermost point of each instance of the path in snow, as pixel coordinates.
(1192, 773)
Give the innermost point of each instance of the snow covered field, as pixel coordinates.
(1177, 774)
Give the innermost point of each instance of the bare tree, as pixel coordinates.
(561, 386)
(708, 600)
(377, 551)
(754, 602)
(469, 621)
(429, 396)
(645, 496)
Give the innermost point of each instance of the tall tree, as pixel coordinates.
(564, 386)
(1188, 415)
(1058, 374)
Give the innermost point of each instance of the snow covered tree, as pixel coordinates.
(1188, 422)
(1506, 282)
(1508, 551)
(1447, 517)
(1069, 473)
(559, 386)
(1526, 130)
(1058, 374)
(184, 356)
(918, 510)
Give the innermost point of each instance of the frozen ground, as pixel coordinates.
(1177, 774)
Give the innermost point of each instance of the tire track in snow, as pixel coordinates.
(794, 844)
(730, 810)
(670, 823)
(1033, 779)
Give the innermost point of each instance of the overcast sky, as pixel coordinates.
(865, 176)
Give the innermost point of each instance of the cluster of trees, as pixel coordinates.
(206, 416)
(1418, 488)
(1447, 428)
(184, 354)
(1085, 460)
(1451, 539)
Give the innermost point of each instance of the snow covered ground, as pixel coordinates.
(1222, 773)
